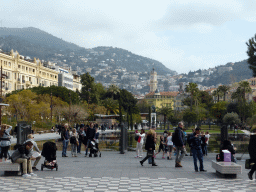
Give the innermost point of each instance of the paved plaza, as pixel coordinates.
(123, 172)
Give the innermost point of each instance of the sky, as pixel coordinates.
(185, 35)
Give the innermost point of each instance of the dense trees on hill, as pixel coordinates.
(251, 52)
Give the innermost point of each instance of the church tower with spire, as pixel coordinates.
(153, 80)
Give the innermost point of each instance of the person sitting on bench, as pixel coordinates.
(23, 154)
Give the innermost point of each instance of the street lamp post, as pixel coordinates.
(51, 107)
(69, 108)
(1, 99)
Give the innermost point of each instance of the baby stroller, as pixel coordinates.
(94, 149)
(49, 152)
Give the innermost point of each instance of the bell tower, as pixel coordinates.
(153, 80)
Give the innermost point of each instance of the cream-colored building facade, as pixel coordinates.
(22, 74)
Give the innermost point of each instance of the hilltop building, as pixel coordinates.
(153, 80)
(159, 99)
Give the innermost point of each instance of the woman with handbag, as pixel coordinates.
(150, 147)
(252, 153)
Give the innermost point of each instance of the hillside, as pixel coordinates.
(33, 42)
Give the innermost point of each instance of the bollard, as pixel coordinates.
(224, 134)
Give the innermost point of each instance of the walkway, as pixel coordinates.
(117, 172)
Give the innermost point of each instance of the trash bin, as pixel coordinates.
(23, 129)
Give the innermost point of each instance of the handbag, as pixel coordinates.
(249, 163)
(150, 153)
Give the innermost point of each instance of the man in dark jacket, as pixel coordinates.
(179, 144)
(195, 140)
(65, 139)
(90, 134)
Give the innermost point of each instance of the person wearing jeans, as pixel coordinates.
(179, 144)
(197, 150)
(23, 155)
(65, 138)
(80, 138)
(5, 141)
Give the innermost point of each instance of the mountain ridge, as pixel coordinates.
(47, 44)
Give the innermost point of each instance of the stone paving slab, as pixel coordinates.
(123, 172)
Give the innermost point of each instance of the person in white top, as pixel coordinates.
(169, 146)
(140, 142)
(30, 137)
(74, 142)
(207, 137)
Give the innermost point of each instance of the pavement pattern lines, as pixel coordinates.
(110, 184)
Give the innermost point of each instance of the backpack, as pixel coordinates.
(136, 138)
(175, 136)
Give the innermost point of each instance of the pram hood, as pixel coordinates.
(49, 151)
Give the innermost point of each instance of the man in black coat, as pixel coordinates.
(196, 148)
(90, 134)
(179, 144)
(252, 153)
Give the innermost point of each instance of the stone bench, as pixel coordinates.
(228, 169)
(10, 168)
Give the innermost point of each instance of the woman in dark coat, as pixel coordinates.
(252, 152)
(150, 147)
(228, 146)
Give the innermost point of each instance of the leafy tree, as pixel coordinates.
(143, 106)
(91, 91)
(175, 117)
(231, 118)
(190, 117)
(128, 103)
(233, 107)
(251, 49)
(218, 110)
(61, 92)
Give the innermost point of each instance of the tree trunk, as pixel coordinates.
(164, 121)
(149, 112)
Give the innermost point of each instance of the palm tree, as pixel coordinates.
(239, 95)
(114, 91)
(224, 89)
(192, 89)
(217, 93)
(111, 105)
(165, 111)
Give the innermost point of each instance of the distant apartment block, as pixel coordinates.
(21, 73)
